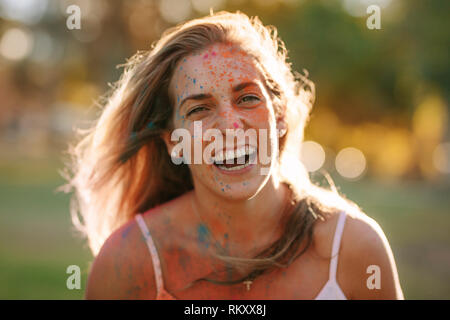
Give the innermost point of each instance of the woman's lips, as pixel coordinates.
(237, 168)
(234, 172)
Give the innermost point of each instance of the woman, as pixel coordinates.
(164, 224)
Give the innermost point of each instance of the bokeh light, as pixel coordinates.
(313, 155)
(45, 49)
(430, 119)
(441, 158)
(350, 163)
(16, 44)
(25, 11)
(394, 155)
(175, 11)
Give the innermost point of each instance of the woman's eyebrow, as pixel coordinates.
(199, 96)
(243, 85)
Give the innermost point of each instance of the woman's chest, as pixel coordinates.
(302, 279)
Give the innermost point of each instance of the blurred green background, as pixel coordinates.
(379, 126)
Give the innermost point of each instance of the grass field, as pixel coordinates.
(37, 242)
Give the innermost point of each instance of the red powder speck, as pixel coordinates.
(235, 125)
(213, 53)
(205, 56)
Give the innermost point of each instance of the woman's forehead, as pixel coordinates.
(215, 66)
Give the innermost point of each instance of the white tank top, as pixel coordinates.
(331, 290)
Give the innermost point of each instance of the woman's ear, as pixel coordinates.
(281, 127)
(176, 156)
(166, 136)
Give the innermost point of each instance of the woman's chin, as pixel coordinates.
(237, 193)
(242, 187)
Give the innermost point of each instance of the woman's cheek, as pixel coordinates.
(259, 116)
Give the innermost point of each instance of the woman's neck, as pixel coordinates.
(242, 227)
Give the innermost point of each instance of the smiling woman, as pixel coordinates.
(240, 229)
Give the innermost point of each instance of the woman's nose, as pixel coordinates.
(228, 118)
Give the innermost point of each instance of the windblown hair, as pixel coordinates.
(121, 165)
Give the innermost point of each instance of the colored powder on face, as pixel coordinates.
(205, 56)
(194, 80)
(201, 87)
(235, 125)
(150, 125)
(177, 113)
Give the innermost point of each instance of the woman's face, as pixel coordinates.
(220, 90)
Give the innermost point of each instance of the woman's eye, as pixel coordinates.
(195, 110)
(249, 98)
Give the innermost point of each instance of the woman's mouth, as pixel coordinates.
(235, 161)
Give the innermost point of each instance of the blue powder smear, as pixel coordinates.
(203, 232)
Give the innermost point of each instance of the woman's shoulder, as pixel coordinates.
(364, 249)
(115, 272)
(357, 225)
(123, 268)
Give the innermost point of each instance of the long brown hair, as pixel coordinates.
(121, 165)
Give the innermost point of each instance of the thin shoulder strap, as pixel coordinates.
(336, 245)
(154, 254)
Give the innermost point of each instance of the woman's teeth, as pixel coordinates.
(234, 159)
(240, 152)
